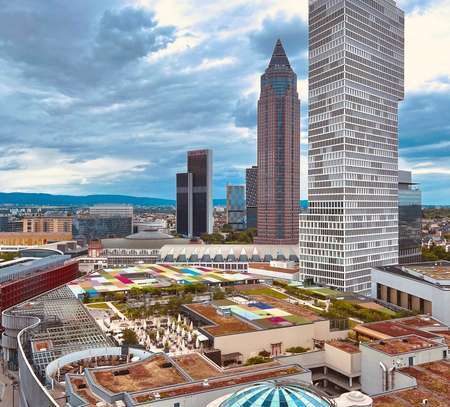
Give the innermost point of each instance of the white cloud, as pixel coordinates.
(427, 39)
(212, 63)
(47, 169)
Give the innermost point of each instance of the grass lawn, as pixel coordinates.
(326, 292)
(265, 291)
(98, 305)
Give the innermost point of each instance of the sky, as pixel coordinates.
(107, 96)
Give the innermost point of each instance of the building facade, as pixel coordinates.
(251, 196)
(107, 211)
(356, 80)
(47, 224)
(25, 280)
(278, 152)
(194, 195)
(421, 287)
(236, 207)
(91, 227)
(32, 238)
(409, 219)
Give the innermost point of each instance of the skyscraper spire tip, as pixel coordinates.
(279, 55)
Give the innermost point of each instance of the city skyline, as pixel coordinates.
(100, 128)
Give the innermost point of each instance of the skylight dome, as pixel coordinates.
(276, 394)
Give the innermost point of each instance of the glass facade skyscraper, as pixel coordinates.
(278, 152)
(236, 206)
(409, 219)
(356, 80)
(194, 195)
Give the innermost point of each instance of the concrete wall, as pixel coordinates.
(348, 363)
(439, 298)
(250, 343)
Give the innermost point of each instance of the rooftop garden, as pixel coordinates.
(341, 309)
(264, 291)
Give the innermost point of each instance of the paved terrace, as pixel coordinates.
(433, 384)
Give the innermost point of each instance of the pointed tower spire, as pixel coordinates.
(279, 55)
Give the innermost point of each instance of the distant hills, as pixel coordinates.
(24, 198)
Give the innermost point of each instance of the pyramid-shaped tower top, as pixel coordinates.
(279, 55)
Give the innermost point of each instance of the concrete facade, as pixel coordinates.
(412, 292)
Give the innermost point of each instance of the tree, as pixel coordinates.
(218, 294)
(129, 337)
(227, 228)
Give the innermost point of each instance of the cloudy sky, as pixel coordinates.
(106, 96)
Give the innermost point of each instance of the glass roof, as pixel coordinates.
(273, 394)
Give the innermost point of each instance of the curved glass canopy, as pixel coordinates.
(276, 394)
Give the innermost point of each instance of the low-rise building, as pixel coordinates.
(28, 277)
(421, 287)
(189, 380)
(32, 238)
(40, 331)
(383, 361)
(227, 256)
(242, 326)
(275, 270)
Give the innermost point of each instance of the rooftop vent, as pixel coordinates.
(122, 372)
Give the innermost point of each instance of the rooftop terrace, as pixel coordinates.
(437, 273)
(154, 372)
(152, 275)
(160, 376)
(432, 384)
(344, 345)
(418, 325)
(241, 314)
(257, 374)
(396, 346)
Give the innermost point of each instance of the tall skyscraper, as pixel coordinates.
(409, 219)
(278, 152)
(236, 207)
(251, 191)
(194, 195)
(356, 73)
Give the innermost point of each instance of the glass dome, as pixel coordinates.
(276, 394)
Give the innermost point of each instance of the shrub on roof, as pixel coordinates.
(297, 349)
(256, 360)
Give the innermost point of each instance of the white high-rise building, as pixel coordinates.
(356, 74)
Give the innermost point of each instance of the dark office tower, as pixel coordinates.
(409, 219)
(356, 81)
(278, 152)
(194, 195)
(251, 191)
